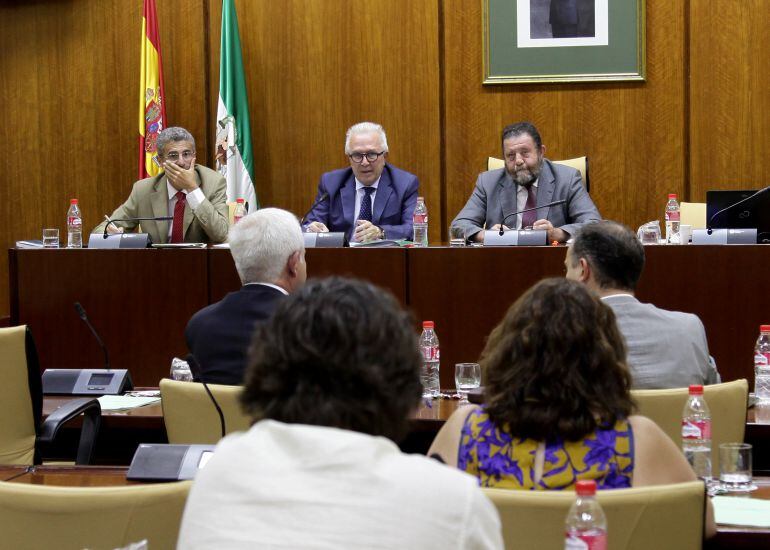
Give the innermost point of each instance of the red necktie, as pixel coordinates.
(528, 219)
(177, 235)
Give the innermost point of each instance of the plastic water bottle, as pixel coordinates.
(240, 211)
(762, 364)
(430, 360)
(672, 220)
(696, 433)
(420, 223)
(74, 226)
(586, 524)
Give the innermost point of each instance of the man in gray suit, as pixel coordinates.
(195, 196)
(666, 349)
(528, 180)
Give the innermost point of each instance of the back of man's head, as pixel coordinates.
(339, 353)
(262, 242)
(614, 253)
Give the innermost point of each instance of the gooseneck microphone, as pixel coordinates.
(197, 372)
(156, 219)
(554, 203)
(82, 314)
(316, 202)
(709, 230)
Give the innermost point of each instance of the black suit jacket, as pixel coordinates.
(219, 335)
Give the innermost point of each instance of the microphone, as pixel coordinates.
(554, 203)
(82, 314)
(157, 219)
(197, 372)
(709, 230)
(318, 201)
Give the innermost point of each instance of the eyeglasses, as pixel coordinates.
(371, 156)
(173, 156)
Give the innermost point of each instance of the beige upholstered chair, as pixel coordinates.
(662, 517)
(21, 405)
(40, 516)
(727, 403)
(579, 163)
(190, 415)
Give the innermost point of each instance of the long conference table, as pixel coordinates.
(140, 300)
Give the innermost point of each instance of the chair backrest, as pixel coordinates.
(18, 421)
(661, 517)
(693, 213)
(40, 516)
(579, 163)
(191, 417)
(727, 402)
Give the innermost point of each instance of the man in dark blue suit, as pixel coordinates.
(269, 254)
(370, 200)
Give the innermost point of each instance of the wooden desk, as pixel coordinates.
(734, 538)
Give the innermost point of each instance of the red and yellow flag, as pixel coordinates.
(152, 108)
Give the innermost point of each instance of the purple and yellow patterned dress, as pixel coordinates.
(503, 461)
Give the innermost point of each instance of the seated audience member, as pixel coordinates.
(195, 196)
(269, 254)
(666, 349)
(332, 379)
(527, 180)
(557, 403)
(370, 200)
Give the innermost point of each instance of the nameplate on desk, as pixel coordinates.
(324, 240)
(513, 237)
(724, 236)
(86, 381)
(119, 240)
(161, 462)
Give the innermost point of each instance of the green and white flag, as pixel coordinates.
(235, 159)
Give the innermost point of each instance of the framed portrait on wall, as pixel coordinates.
(534, 41)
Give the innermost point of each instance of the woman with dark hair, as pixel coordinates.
(331, 381)
(557, 403)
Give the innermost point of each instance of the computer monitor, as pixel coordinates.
(752, 214)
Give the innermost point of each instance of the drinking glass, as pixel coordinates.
(50, 238)
(649, 233)
(467, 377)
(735, 467)
(180, 370)
(456, 236)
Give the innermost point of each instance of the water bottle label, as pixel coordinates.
(430, 353)
(585, 541)
(672, 216)
(761, 359)
(74, 221)
(696, 429)
(420, 218)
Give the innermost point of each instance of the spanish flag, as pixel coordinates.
(152, 108)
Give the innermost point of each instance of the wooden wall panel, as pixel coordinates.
(314, 67)
(633, 133)
(730, 95)
(70, 106)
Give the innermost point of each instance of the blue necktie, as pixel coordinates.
(366, 204)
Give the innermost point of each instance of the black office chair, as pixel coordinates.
(22, 434)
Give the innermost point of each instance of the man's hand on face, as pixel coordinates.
(181, 178)
(366, 231)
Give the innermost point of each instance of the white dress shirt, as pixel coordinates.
(521, 200)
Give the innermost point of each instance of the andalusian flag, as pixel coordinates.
(235, 159)
(152, 108)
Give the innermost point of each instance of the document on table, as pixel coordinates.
(125, 402)
(749, 512)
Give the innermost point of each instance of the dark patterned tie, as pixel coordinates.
(177, 236)
(528, 219)
(366, 204)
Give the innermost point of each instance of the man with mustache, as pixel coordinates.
(527, 181)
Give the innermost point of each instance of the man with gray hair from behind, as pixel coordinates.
(269, 254)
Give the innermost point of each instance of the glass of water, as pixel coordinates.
(456, 236)
(180, 370)
(735, 467)
(50, 238)
(467, 377)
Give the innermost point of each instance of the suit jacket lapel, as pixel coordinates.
(348, 194)
(507, 200)
(384, 190)
(159, 202)
(545, 187)
(188, 213)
